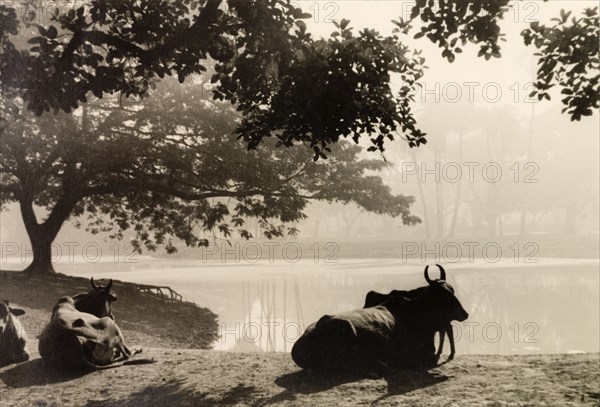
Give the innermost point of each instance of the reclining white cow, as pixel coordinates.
(78, 340)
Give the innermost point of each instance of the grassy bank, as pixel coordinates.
(146, 320)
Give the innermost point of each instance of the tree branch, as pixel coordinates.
(195, 35)
(10, 189)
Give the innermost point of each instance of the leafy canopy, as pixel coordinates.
(447, 22)
(280, 78)
(285, 83)
(170, 167)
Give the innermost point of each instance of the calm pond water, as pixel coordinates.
(548, 307)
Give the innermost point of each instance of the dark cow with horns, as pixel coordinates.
(397, 332)
(12, 335)
(98, 301)
(374, 298)
(82, 332)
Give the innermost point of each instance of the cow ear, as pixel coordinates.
(112, 297)
(17, 312)
(64, 299)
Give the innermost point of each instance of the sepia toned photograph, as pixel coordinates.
(258, 203)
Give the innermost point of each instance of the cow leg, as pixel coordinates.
(121, 347)
(442, 338)
(451, 339)
(124, 349)
(122, 352)
(428, 346)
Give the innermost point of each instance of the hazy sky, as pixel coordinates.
(517, 65)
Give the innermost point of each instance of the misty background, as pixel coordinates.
(500, 170)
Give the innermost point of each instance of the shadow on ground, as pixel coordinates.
(404, 381)
(178, 393)
(305, 382)
(33, 373)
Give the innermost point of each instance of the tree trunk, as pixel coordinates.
(42, 254)
(455, 211)
(439, 209)
(439, 199)
(523, 222)
(531, 129)
(317, 226)
(500, 225)
(349, 222)
(458, 190)
(492, 218)
(422, 196)
(424, 202)
(41, 235)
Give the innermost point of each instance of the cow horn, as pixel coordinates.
(427, 274)
(109, 285)
(93, 284)
(442, 273)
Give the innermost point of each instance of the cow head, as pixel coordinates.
(98, 301)
(440, 299)
(6, 314)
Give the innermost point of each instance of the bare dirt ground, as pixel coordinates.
(211, 378)
(191, 377)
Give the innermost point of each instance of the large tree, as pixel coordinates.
(287, 86)
(169, 167)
